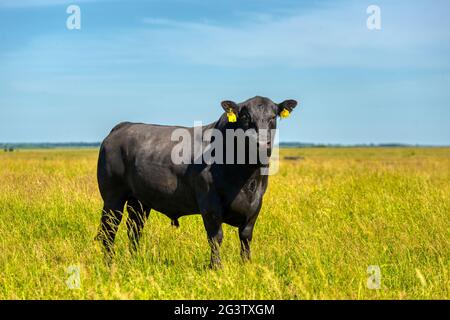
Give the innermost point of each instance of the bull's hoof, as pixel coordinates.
(216, 265)
(246, 257)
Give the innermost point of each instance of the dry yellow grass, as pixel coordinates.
(325, 219)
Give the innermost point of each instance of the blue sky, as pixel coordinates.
(172, 62)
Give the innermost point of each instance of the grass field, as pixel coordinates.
(325, 219)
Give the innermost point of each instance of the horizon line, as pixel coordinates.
(282, 144)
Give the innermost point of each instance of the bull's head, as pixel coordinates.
(259, 115)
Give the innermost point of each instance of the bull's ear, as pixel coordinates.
(231, 109)
(286, 107)
(228, 106)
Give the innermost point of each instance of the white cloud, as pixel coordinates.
(329, 36)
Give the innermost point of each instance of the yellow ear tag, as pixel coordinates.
(284, 113)
(231, 116)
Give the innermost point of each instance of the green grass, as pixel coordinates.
(324, 220)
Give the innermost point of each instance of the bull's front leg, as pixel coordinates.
(245, 237)
(213, 226)
(211, 209)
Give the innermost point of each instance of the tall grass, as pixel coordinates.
(326, 217)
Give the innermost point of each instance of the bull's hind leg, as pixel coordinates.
(245, 237)
(110, 220)
(137, 216)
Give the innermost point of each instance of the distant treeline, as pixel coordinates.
(362, 145)
(45, 145)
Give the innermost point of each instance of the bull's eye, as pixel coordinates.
(245, 118)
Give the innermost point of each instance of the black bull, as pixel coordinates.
(135, 168)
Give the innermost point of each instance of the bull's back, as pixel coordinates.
(138, 156)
